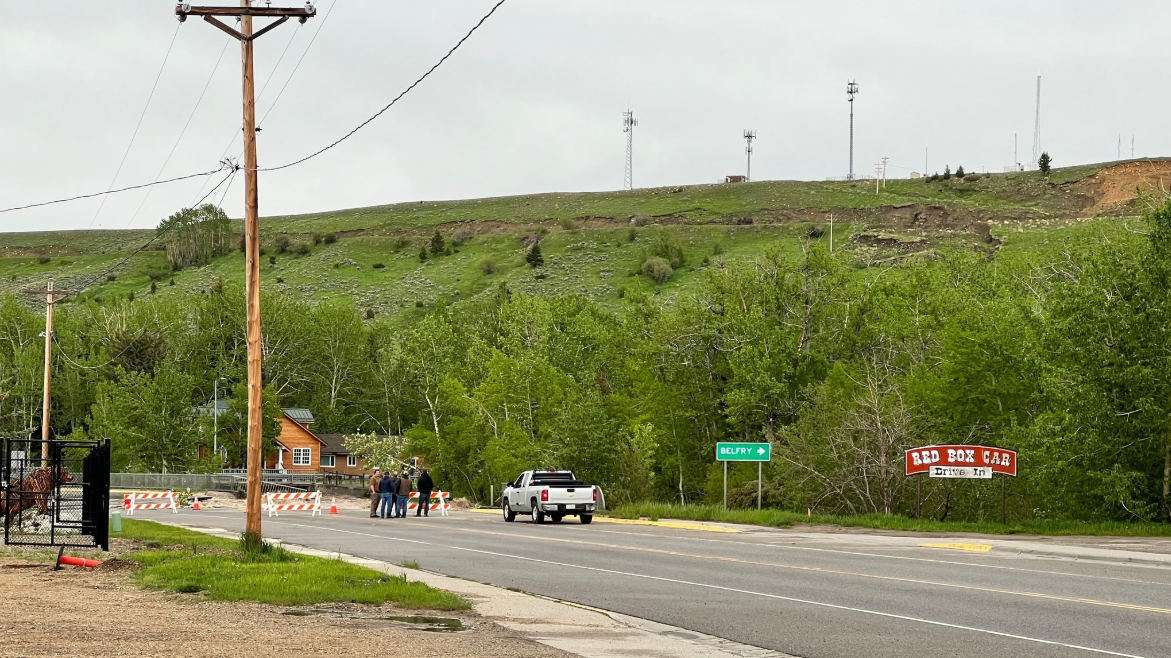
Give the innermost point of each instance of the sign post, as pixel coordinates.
(744, 452)
(963, 462)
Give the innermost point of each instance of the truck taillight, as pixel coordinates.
(544, 495)
(595, 494)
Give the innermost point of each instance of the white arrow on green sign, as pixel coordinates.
(744, 452)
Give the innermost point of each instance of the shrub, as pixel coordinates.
(303, 249)
(400, 243)
(44, 260)
(971, 178)
(272, 260)
(658, 269)
(418, 303)
(280, 280)
(668, 248)
(705, 261)
(369, 314)
(329, 238)
(815, 232)
(243, 245)
(318, 239)
(447, 251)
(489, 266)
(631, 234)
(130, 297)
(621, 292)
(946, 172)
(111, 278)
(422, 254)
(960, 171)
(639, 220)
(156, 275)
(379, 266)
(172, 282)
(717, 249)
(569, 224)
(282, 244)
(154, 287)
(461, 236)
(534, 258)
(264, 251)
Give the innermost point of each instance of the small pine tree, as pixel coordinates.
(437, 243)
(534, 257)
(1044, 163)
(154, 287)
(960, 171)
(369, 314)
(171, 283)
(946, 172)
(422, 254)
(130, 297)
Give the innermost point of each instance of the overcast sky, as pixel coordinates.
(533, 101)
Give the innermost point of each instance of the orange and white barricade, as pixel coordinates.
(438, 502)
(130, 501)
(273, 502)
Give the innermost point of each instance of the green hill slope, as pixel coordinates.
(595, 243)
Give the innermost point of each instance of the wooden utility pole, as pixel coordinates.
(246, 36)
(52, 296)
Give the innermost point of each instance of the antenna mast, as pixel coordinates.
(749, 135)
(851, 92)
(628, 125)
(1037, 126)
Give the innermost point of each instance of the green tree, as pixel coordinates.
(534, 257)
(1044, 163)
(437, 244)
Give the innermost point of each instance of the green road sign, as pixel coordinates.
(744, 452)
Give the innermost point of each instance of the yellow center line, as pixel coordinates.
(836, 572)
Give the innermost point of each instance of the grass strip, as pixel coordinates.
(180, 560)
(784, 519)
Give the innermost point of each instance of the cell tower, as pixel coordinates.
(1037, 126)
(629, 123)
(749, 135)
(851, 92)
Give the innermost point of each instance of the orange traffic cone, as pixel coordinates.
(333, 506)
(195, 507)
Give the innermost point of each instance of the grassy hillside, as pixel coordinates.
(593, 243)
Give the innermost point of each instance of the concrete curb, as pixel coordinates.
(582, 630)
(1082, 553)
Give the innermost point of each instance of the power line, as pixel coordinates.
(122, 189)
(396, 98)
(183, 131)
(296, 66)
(158, 234)
(137, 126)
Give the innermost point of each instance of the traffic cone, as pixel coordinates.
(195, 507)
(333, 505)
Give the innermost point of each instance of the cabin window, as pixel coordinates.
(351, 461)
(302, 456)
(327, 461)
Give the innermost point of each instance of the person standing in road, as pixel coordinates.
(425, 487)
(386, 489)
(375, 493)
(404, 493)
(392, 487)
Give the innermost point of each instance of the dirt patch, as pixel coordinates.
(1118, 188)
(901, 243)
(36, 252)
(75, 612)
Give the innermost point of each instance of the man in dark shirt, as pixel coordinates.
(404, 493)
(386, 489)
(426, 485)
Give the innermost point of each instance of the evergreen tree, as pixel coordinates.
(946, 172)
(422, 254)
(534, 257)
(1044, 163)
(437, 243)
(960, 171)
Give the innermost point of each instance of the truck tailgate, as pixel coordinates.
(571, 495)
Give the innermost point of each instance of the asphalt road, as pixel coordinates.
(805, 594)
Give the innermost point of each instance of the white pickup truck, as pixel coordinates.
(552, 494)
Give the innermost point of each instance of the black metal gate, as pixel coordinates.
(62, 501)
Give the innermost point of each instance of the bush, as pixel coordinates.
(111, 278)
(44, 260)
(815, 232)
(317, 239)
(303, 249)
(272, 260)
(154, 287)
(658, 269)
(461, 236)
(631, 234)
(489, 266)
(569, 224)
(971, 178)
(130, 297)
(621, 292)
(418, 303)
(422, 254)
(717, 249)
(960, 171)
(329, 238)
(282, 244)
(400, 243)
(668, 248)
(369, 314)
(379, 266)
(171, 283)
(280, 280)
(946, 172)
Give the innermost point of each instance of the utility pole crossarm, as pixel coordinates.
(184, 10)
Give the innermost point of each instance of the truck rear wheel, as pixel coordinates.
(538, 515)
(509, 515)
(587, 519)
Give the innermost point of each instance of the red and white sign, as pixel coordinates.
(999, 460)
